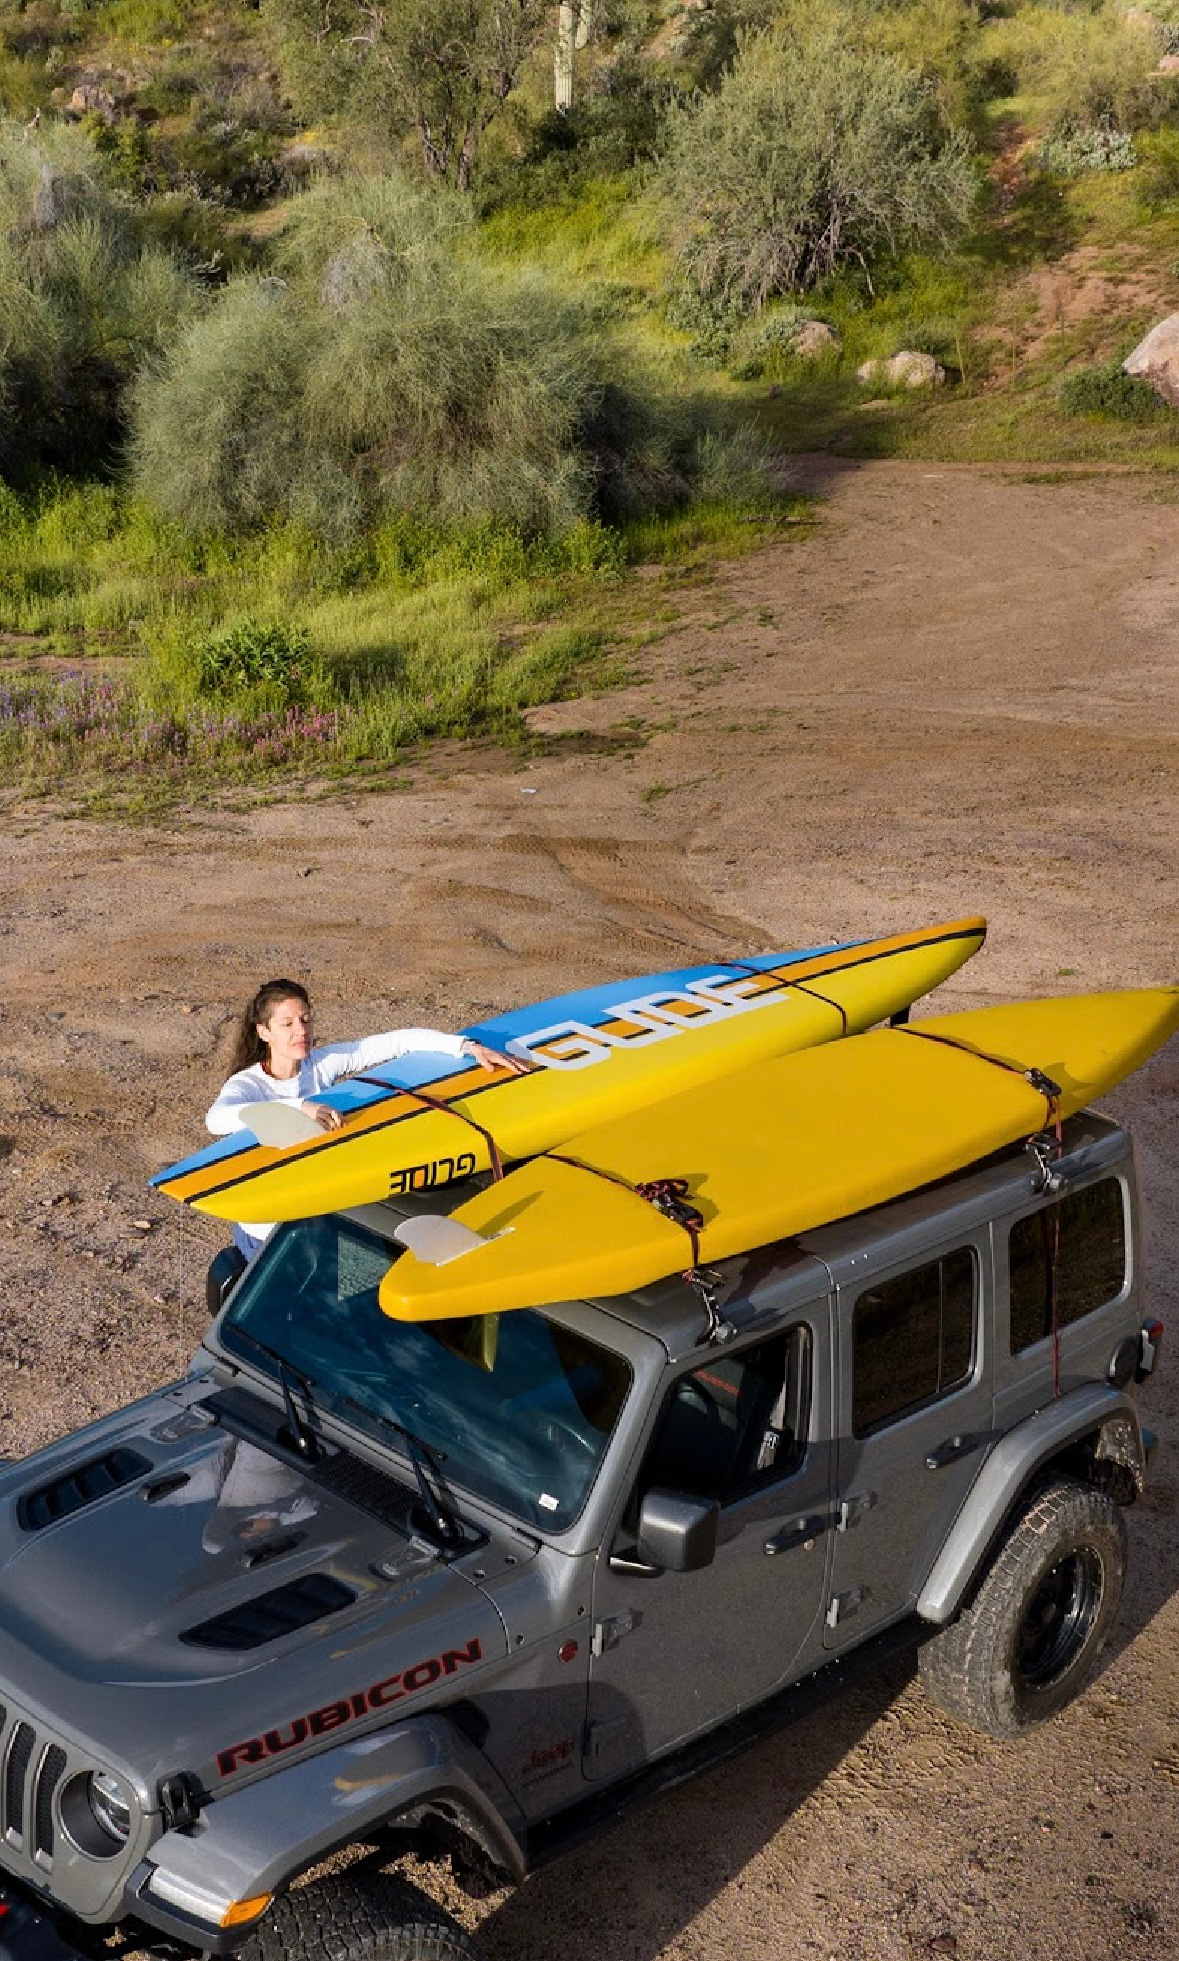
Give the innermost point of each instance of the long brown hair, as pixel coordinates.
(249, 1046)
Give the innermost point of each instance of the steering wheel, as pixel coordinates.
(559, 1430)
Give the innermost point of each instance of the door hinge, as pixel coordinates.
(608, 1633)
(853, 1509)
(843, 1605)
(598, 1736)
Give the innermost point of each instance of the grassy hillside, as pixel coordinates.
(318, 442)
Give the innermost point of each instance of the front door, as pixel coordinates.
(915, 1425)
(675, 1653)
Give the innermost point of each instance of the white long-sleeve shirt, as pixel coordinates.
(320, 1070)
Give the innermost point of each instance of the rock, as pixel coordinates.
(1168, 64)
(1156, 360)
(911, 370)
(813, 339)
(90, 98)
(908, 369)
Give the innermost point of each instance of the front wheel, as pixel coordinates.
(1029, 1641)
(382, 1918)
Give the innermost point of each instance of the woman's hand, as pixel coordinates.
(495, 1059)
(325, 1116)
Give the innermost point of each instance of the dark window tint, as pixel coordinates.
(913, 1339)
(1084, 1237)
(735, 1422)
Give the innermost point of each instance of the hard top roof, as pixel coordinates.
(769, 1281)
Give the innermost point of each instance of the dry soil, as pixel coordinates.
(956, 692)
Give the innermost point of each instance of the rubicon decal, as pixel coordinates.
(348, 1709)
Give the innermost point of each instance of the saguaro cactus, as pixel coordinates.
(575, 19)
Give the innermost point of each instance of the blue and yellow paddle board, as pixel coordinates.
(594, 1055)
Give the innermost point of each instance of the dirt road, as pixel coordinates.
(958, 692)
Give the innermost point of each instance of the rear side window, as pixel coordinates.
(913, 1339)
(1085, 1233)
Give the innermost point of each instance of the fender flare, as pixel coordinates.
(1096, 1409)
(254, 1841)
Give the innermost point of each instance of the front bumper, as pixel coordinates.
(28, 1934)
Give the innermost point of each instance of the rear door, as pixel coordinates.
(915, 1422)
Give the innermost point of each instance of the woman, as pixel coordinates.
(274, 1059)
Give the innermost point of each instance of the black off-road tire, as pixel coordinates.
(1030, 1639)
(377, 1918)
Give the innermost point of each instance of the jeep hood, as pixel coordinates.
(219, 1595)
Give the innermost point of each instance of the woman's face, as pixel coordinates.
(287, 1035)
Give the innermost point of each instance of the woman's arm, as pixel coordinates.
(225, 1114)
(349, 1058)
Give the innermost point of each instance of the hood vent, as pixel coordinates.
(84, 1485)
(270, 1616)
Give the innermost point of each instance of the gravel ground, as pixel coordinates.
(957, 692)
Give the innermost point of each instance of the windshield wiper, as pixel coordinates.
(444, 1524)
(302, 1435)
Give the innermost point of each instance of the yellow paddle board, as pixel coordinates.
(639, 1051)
(777, 1149)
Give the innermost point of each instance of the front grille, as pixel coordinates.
(32, 1767)
(49, 1775)
(21, 1745)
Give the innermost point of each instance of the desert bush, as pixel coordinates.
(387, 369)
(84, 297)
(810, 156)
(1085, 69)
(437, 70)
(1107, 391)
(1158, 178)
(1073, 150)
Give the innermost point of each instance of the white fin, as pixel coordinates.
(279, 1124)
(436, 1240)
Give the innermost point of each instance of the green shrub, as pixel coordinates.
(271, 657)
(386, 368)
(811, 156)
(1072, 151)
(1158, 178)
(1107, 391)
(84, 298)
(1085, 68)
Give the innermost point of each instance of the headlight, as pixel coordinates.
(111, 1804)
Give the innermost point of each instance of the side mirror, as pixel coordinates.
(677, 1534)
(225, 1270)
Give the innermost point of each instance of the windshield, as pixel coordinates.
(512, 1406)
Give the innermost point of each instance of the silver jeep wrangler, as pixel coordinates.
(464, 1589)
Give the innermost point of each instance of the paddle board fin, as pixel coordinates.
(436, 1240)
(279, 1124)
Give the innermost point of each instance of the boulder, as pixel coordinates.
(908, 369)
(1169, 64)
(1156, 359)
(90, 98)
(813, 339)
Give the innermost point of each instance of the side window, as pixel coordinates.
(913, 1339)
(737, 1421)
(1084, 1234)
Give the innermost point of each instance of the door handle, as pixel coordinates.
(800, 1532)
(949, 1451)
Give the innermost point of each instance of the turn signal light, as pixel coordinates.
(243, 1910)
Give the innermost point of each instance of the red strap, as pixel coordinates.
(448, 1110)
(667, 1195)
